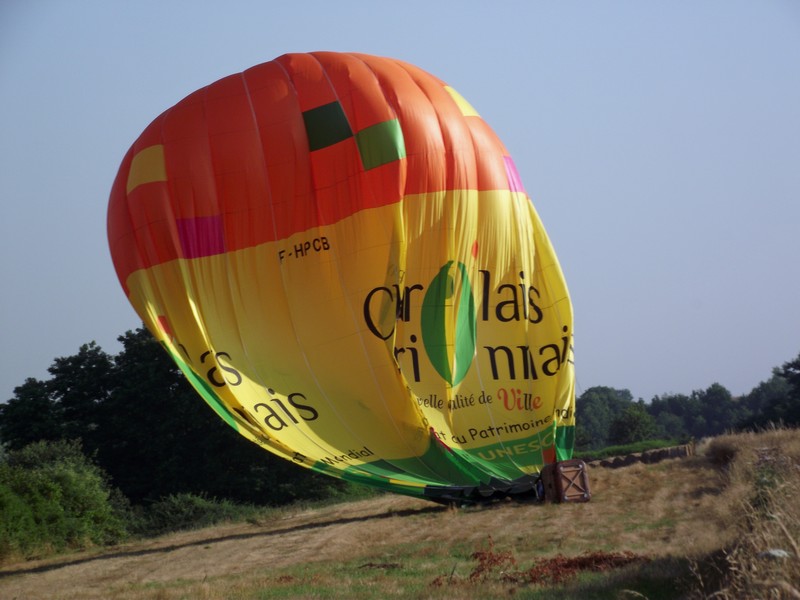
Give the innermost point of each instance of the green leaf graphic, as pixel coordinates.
(438, 298)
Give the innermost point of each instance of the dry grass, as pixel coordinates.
(763, 487)
(714, 512)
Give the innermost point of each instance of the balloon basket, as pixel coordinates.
(565, 481)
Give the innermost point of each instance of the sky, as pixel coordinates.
(659, 142)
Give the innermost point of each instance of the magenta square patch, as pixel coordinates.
(201, 236)
(514, 182)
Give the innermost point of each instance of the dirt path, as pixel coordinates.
(653, 509)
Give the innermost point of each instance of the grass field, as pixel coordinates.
(682, 528)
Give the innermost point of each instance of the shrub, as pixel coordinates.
(56, 499)
(16, 523)
(189, 511)
(721, 451)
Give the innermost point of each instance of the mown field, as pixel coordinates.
(692, 527)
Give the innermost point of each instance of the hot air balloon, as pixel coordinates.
(339, 254)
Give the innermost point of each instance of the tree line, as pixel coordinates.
(610, 417)
(139, 421)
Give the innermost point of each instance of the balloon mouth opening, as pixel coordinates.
(524, 489)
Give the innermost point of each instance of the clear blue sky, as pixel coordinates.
(660, 142)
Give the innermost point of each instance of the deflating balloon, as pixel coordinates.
(339, 254)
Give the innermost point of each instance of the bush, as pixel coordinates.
(16, 523)
(189, 511)
(721, 451)
(53, 497)
(179, 512)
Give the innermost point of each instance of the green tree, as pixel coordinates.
(720, 411)
(79, 385)
(596, 409)
(671, 427)
(687, 409)
(767, 391)
(790, 411)
(791, 372)
(31, 415)
(633, 424)
(776, 400)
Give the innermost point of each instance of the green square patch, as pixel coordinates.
(381, 144)
(326, 125)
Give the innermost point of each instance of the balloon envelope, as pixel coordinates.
(339, 254)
